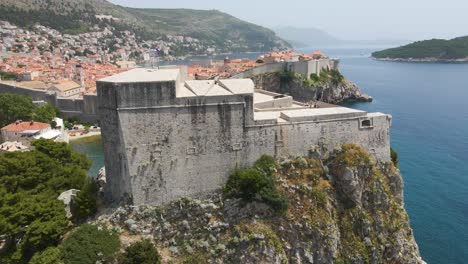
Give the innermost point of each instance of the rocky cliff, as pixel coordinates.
(305, 90)
(344, 207)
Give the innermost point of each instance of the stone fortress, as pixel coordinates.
(167, 137)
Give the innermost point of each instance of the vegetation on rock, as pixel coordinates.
(89, 244)
(442, 49)
(52, 255)
(345, 208)
(257, 183)
(394, 156)
(334, 76)
(141, 252)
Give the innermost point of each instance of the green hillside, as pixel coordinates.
(212, 27)
(440, 49)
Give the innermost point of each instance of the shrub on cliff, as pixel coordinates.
(89, 244)
(52, 255)
(336, 76)
(257, 183)
(394, 156)
(353, 155)
(266, 164)
(141, 252)
(85, 203)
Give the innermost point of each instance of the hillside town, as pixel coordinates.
(67, 65)
(44, 58)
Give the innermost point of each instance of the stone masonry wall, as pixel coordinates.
(85, 109)
(159, 147)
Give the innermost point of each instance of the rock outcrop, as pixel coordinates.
(344, 208)
(305, 91)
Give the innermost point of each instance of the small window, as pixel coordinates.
(366, 123)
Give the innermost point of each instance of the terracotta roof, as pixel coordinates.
(23, 126)
(67, 85)
(33, 84)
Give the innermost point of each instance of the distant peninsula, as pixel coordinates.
(434, 50)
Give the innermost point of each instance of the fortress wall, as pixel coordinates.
(298, 138)
(305, 68)
(85, 109)
(35, 95)
(181, 151)
(111, 130)
(159, 148)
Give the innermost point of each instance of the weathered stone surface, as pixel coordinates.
(320, 225)
(160, 146)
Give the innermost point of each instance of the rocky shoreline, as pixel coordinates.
(423, 60)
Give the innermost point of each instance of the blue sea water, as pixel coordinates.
(93, 148)
(429, 105)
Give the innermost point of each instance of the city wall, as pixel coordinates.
(85, 109)
(304, 68)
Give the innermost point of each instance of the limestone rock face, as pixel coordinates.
(343, 208)
(327, 92)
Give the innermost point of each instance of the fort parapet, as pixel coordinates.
(165, 137)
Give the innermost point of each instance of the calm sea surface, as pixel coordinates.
(92, 147)
(429, 105)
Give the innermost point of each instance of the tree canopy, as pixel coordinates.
(18, 107)
(31, 217)
(14, 107)
(89, 244)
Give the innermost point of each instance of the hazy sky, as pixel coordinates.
(346, 19)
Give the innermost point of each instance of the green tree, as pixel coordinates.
(14, 107)
(88, 244)
(141, 252)
(44, 113)
(30, 183)
(85, 202)
(51, 255)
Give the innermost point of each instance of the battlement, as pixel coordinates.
(166, 137)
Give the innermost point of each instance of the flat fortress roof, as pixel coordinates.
(316, 114)
(219, 87)
(141, 75)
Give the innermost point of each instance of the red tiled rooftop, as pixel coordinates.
(23, 126)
